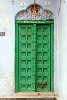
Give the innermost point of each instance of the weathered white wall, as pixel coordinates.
(8, 12)
(62, 50)
(7, 43)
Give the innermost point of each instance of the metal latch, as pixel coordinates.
(42, 85)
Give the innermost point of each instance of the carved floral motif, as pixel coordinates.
(34, 12)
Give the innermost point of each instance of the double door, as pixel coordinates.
(33, 58)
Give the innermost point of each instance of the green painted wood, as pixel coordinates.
(35, 54)
(52, 57)
(43, 58)
(16, 58)
(35, 21)
(26, 58)
(34, 45)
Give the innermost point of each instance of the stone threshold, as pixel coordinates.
(34, 95)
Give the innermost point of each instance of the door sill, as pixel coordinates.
(35, 95)
(32, 95)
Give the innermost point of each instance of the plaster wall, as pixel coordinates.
(62, 50)
(8, 12)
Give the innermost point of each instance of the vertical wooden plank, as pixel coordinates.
(52, 57)
(19, 57)
(34, 60)
(49, 53)
(16, 58)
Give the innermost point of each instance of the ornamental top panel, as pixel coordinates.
(34, 12)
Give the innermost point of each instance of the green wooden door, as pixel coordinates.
(33, 57)
(43, 58)
(26, 58)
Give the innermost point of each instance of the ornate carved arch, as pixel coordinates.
(34, 12)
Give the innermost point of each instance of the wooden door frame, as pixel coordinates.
(45, 22)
